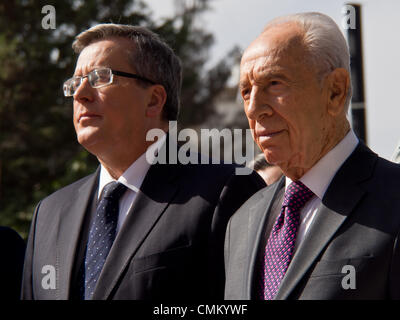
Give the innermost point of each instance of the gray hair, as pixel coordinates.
(151, 58)
(325, 42)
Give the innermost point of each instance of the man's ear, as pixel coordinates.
(338, 86)
(158, 97)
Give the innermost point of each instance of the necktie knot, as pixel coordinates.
(113, 190)
(296, 195)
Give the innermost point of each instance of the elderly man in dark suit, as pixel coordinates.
(330, 228)
(137, 228)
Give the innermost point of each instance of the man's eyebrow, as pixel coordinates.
(269, 74)
(91, 68)
(243, 84)
(263, 77)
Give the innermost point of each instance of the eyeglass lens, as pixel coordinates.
(100, 77)
(97, 78)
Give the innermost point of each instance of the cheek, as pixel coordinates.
(299, 131)
(116, 121)
(305, 135)
(252, 124)
(281, 100)
(249, 119)
(246, 109)
(123, 117)
(75, 116)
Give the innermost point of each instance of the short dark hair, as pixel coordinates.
(151, 58)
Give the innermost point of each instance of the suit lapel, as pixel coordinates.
(326, 223)
(150, 203)
(342, 196)
(69, 229)
(258, 218)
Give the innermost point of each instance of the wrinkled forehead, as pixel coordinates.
(275, 46)
(258, 54)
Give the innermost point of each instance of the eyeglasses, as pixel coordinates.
(98, 78)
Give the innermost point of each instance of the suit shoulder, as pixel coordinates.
(388, 167)
(385, 181)
(216, 170)
(11, 244)
(206, 168)
(68, 189)
(385, 177)
(364, 160)
(215, 175)
(261, 197)
(8, 235)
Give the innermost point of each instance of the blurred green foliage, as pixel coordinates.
(38, 149)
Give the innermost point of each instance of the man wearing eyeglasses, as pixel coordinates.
(133, 229)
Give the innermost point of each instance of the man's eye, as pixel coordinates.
(95, 77)
(245, 94)
(276, 85)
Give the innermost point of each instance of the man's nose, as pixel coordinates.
(84, 92)
(258, 104)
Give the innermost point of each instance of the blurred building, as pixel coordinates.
(228, 115)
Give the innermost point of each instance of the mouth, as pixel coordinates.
(267, 135)
(87, 116)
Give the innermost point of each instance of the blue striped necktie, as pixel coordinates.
(102, 234)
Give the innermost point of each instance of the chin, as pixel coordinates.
(88, 141)
(273, 156)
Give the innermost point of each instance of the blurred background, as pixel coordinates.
(38, 149)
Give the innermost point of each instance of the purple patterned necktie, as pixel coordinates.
(280, 246)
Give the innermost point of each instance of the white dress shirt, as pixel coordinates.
(132, 178)
(318, 179)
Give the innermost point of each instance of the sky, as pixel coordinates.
(238, 22)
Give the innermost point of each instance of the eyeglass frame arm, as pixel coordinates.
(131, 75)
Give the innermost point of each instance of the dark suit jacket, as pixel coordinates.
(357, 224)
(12, 248)
(170, 246)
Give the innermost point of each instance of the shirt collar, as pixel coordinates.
(318, 178)
(133, 177)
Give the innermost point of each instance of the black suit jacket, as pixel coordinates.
(170, 246)
(357, 224)
(12, 248)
